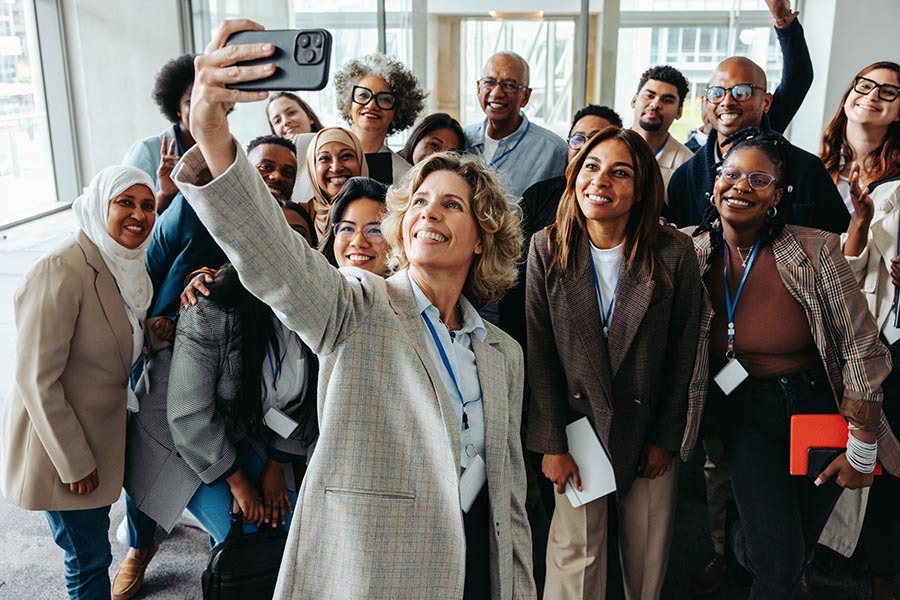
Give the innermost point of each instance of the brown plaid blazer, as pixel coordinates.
(817, 275)
(634, 385)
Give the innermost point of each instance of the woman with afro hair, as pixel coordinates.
(158, 154)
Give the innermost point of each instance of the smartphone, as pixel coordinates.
(302, 58)
(819, 458)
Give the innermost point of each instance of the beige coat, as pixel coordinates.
(65, 416)
(673, 155)
(378, 514)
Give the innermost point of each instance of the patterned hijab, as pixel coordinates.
(320, 204)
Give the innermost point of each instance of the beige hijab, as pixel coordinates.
(320, 204)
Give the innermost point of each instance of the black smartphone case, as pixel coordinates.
(819, 458)
(302, 59)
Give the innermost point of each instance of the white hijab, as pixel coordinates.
(127, 266)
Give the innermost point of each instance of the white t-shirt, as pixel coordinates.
(608, 265)
(490, 148)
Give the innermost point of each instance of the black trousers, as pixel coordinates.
(478, 529)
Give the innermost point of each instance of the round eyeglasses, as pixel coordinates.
(345, 230)
(509, 87)
(363, 95)
(886, 91)
(740, 92)
(758, 180)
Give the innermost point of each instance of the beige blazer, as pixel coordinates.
(378, 514)
(65, 416)
(673, 155)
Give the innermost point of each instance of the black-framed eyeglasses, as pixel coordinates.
(363, 95)
(886, 91)
(740, 92)
(758, 180)
(509, 87)
(345, 230)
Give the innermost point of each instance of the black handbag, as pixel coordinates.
(245, 565)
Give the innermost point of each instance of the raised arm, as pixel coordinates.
(797, 68)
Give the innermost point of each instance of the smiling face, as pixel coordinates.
(131, 216)
(278, 167)
(439, 230)
(868, 110)
(604, 186)
(730, 116)
(501, 107)
(287, 117)
(435, 141)
(371, 118)
(740, 206)
(335, 164)
(656, 106)
(359, 251)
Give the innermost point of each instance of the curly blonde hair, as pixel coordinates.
(492, 272)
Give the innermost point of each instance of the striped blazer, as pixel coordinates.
(817, 275)
(378, 514)
(634, 386)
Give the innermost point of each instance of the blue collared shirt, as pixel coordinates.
(529, 154)
(458, 348)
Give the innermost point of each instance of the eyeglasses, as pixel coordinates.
(508, 87)
(577, 141)
(758, 180)
(384, 100)
(886, 91)
(740, 92)
(344, 230)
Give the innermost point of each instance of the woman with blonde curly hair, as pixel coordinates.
(378, 96)
(418, 481)
(613, 315)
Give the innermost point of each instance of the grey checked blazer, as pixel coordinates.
(378, 514)
(633, 386)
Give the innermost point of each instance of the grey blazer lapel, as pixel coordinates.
(632, 300)
(581, 300)
(404, 304)
(110, 300)
(494, 402)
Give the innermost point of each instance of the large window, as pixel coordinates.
(27, 181)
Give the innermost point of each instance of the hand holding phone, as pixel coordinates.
(301, 58)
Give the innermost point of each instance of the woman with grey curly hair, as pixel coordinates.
(377, 95)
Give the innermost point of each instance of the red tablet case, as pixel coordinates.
(817, 431)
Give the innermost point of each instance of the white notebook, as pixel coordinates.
(597, 477)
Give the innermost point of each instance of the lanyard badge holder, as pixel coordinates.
(733, 373)
(606, 316)
(475, 475)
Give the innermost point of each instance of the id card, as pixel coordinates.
(471, 482)
(731, 376)
(279, 422)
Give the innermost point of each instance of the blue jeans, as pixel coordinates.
(780, 516)
(211, 504)
(84, 536)
(141, 528)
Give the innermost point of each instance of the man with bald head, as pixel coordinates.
(737, 99)
(521, 152)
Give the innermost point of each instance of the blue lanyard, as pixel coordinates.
(496, 159)
(731, 305)
(276, 372)
(606, 317)
(446, 361)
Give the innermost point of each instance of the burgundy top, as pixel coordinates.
(772, 335)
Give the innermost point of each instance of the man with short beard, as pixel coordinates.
(275, 158)
(657, 104)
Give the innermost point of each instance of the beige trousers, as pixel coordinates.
(576, 550)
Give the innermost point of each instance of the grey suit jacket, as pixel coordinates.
(634, 385)
(378, 514)
(65, 416)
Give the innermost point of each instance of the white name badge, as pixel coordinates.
(279, 422)
(731, 376)
(471, 482)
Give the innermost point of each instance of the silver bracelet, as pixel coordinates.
(861, 455)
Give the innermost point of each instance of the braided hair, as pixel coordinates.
(774, 146)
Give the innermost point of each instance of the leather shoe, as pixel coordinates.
(708, 578)
(805, 592)
(130, 576)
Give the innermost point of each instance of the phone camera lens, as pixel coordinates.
(304, 41)
(309, 56)
(317, 40)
